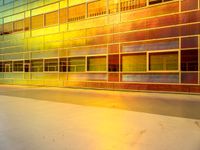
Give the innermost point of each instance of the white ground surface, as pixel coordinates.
(27, 124)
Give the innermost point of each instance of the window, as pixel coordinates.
(7, 66)
(27, 24)
(189, 60)
(37, 22)
(63, 64)
(113, 61)
(97, 8)
(154, 1)
(96, 63)
(18, 66)
(63, 15)
(76, 64)
(18, 25)
(51, 65)
(8, 28)
(163, 61)
(77, 12)
(134, 62)
(51, 18)
(157, 1)
(37, 65)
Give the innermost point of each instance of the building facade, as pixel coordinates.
(109, 44)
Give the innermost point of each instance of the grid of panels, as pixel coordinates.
(129, 41)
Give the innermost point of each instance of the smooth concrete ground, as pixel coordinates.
(36, 118)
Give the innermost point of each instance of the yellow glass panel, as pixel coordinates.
(134, 62)
(164, 61)
(51, 7)
(76, 2)
(113, 6)
(96, 63)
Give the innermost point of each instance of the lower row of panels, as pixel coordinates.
(184, 60)
(175, 78)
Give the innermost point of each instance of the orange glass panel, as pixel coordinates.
(37, 22)
(63, 15)
(8, 28)
(51, 18)
(77, 12)
(97, 8)
(27, 24)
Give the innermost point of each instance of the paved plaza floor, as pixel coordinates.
(39, 118)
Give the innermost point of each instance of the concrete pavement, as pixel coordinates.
(68, 119)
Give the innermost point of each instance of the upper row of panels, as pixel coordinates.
(95, 7)
(10, 7)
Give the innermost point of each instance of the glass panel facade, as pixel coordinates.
(63, 15)
(37, 22)
(189, 60)
(18, 25)
(8, 28)
(51, 65)
(123, 41)
(163, 61)
(77, 12)
(76, 64)
(37, 66)
(51, 18)
(97, 8)
(18, 66)
(96, 63)
(134, 62)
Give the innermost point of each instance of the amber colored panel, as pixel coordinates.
(18, 25)
(141, 24)
(8, 28)
(1, 29)
(113, 77)
(63, 15)
(189, 5)
(51, 18)
(189, 42)
(99, 30)
(97, 8)
(27, 24)
(113, 48)
(37, 21)
(152, 11)
(96, 40)
(77, 12)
